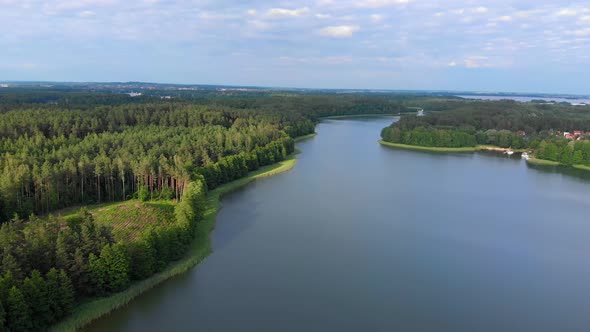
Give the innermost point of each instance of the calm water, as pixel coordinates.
(360, 237)
(525, 99)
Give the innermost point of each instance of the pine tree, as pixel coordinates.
(118, 267)
(34, 290)
(97, 274)
(6, 283)
(66, 293)
(18, 315)
(9, 264)
(3, 327)
(53, 294)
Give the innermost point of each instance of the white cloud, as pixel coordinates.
(476, 62)
(87, 13)
(251, 12)
(340, 4)
(323, 16)
(580, 32)
(258, 25)
(340, 31)
(326, 60)
(567, 12)
(480, 10)
(283, 12)
(585, 18)
(380, 3)
(505, 18)
(376, 18)
(452, 64)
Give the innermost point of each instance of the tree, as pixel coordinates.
(18, 315)
(2, 318)
(10, 265)
(54, 294)
(97, 272)
(34, 290)
(66, 293)
(116, 260)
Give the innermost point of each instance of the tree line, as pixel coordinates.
(56, 159)
(48, 264)
(562, 151)
(507, 124)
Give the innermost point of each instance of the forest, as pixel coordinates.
(505, 124)
(56, 157)
(74, 148)
(67, 148)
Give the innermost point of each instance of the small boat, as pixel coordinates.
(525, 156)
(509, 152)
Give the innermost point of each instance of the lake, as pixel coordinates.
(525, 99)
(361, 237)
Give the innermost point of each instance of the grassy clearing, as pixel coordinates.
(542, 162)
(357, 116)
(497, 148)
(201, 248)
(582, 167)
(129, 218)
(301, 138)
(428, 148)
(443, 149)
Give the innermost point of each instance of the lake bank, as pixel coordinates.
(544, 162)
(441, 242)
(301, 138)
(333, 117)
(446, 149)
(200, 249)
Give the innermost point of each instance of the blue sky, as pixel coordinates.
(501, 45)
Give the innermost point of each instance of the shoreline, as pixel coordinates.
(358, 116)
(88, 312)
(532, 160)
(446, 149)
(544, 162)
(304, 137)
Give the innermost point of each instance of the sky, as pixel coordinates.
(500, 45)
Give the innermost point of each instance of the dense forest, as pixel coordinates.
(77, 147)
(54, 159)
(505, 124)
(73, 148)
(50, 263)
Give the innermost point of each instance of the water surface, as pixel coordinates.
(360, 237)
(525, 99)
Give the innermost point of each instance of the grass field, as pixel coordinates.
(582, 167)
(428, 148)
(200, 249)
(543, 162)
(129, 218)
(443, 149)
(357, 116)
(301, 138)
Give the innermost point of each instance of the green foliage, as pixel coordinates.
(2, 318)
(143, 194)
(18, 314)
(564, 152)
(36, 296)
(54, 157)
(429, 137)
